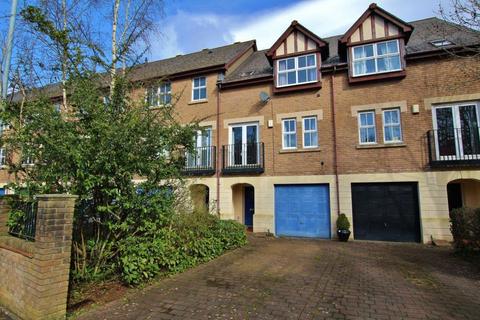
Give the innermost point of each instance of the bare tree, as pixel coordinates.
(463, 30)
(113, 68)
(40, 61)
(137, 22)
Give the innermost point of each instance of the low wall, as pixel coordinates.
(35, 275)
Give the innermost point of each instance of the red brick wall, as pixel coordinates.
(35, 275)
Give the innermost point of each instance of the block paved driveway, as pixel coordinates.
(306, 279)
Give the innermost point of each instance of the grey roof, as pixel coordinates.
(206, 58)
(430, 29)
(256, 66)
(425, 31)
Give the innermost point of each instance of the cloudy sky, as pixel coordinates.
(191, 25)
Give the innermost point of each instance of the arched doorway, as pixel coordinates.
(200, 195)
(244, 203)
(463, 193)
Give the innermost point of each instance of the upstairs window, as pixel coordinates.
(289, 133)
(199, 89)
(27, 161)
(310, 133)
(366, 127)
(297, 70)
(160, 95)
(392, 129)
(3, 127)
(3, 156)
(57, 106)
(375, 58)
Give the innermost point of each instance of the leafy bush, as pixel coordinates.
(465, 227)
(189, 240)
(342, 222)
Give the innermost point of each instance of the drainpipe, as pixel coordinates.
(334, 132)
(217, 171)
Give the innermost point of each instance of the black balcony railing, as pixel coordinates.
(24, 220)
(454, 147)
(243, 158)
(201, 161)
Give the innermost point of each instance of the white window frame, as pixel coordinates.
(244, 142)
(309, 131)
(454, 106)
(399, 124)
(360, 126)
(160, 96)
(28, 161)
(296, 69)
(199, 144)
(3, 157)
(285, 133)
(57, 106)
(375, 57)
(3, 127)
(199, 88)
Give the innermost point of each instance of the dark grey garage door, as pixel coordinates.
(386, 211)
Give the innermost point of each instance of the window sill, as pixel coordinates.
(162, 106)
(377, 76)
(380, 146)
(298, 87)
(198, 102)
(283, 151)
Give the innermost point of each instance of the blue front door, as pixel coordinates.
(2, 191)
(249, 206)
(302, 210)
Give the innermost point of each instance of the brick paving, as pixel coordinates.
(303, 279)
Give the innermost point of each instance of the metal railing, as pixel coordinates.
(243, 158)
(200, 161)
(24, 216)
(452, 146)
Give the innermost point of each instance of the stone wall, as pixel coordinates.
(35, 275)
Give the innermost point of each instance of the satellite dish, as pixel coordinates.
(264, 97)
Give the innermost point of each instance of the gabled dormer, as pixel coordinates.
(296, 58)
(375, 45)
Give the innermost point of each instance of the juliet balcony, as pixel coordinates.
(200, 162)
(243, 158)
(454, 147)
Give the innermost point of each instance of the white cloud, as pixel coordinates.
(323, 17)
(188, 32)
(185, 32)
(165, 44)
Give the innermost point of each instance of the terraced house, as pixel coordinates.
(380, 123)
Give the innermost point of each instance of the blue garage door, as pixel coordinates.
(302, 210)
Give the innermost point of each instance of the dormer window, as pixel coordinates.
(297, 70)
(376, 58)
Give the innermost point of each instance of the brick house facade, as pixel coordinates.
(380, 123)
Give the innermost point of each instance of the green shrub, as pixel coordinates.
(342, 222)
(189, 240)
(465, 227)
